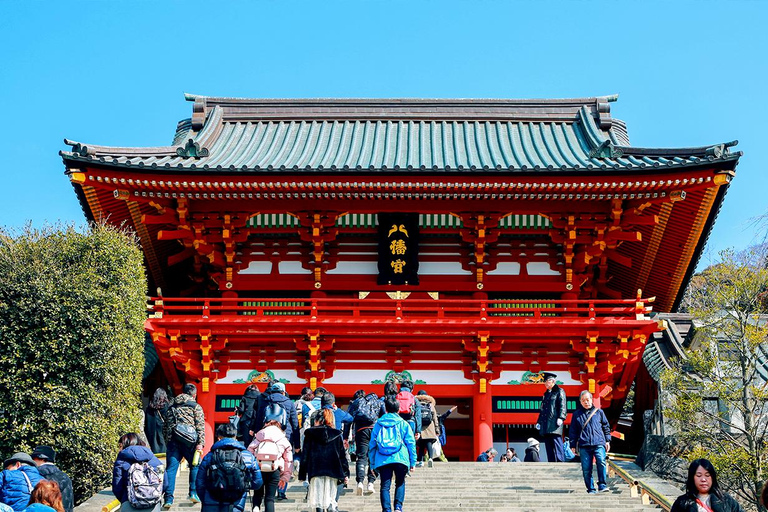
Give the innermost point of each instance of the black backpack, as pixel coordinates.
(426, 415)
(226, 479)
(368, 408)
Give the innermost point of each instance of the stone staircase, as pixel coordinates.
(474, 487)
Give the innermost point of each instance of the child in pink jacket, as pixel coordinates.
(274, 454)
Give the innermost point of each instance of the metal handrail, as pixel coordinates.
(640, 488)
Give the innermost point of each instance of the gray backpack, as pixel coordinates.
(145, 487)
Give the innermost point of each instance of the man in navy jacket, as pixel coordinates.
(590, 433)
(225, 435)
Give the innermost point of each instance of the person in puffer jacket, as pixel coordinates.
(273, 480)
(428, 429)
(133, 449)
(325, 462)
(276, 395)
(392, 451)
(225, 435)
(17, 480)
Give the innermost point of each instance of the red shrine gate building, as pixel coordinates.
(468, 245)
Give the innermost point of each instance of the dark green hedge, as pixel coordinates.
(72, 307)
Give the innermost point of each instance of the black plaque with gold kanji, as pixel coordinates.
(398, 248)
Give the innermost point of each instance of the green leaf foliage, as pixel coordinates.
(72, 308)
(715, 399)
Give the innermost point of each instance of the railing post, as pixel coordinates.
(399, 310)
(313, 312)
(206, 309)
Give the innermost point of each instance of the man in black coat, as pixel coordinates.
(44, 457)
(551, 418)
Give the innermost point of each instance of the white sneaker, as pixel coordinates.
(419, 464)
(370, 488)
(359, 491)
(429, 463)
(256, 508)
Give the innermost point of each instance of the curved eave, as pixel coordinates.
(714, 212)
(727, 162)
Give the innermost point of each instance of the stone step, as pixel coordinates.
(471, 487)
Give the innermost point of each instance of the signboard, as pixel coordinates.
(398, 248)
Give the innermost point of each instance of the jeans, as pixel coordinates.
(586, 453)
(385, 472)
(267, 491)
(174, 454)
(362, 438)
(554, 445)
(422, 446)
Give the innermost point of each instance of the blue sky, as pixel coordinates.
(114, 73)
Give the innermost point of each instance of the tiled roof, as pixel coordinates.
(667, 344)
(241, 135)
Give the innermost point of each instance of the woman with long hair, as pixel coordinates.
(702, 492)
(325, 462)
(46, 497)
(154, 419)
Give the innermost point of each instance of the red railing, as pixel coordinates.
(395, 309)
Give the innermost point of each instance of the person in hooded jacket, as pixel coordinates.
(154, 418)
(277, 480)
(132, 450)
(246, 409)
(702, 491)
(44, 457)
(325, 462)
(363, 428)
(392, 459)
(415, 419)
(532, 452)
(17, 480)
(225, 440)
(184, 409)
(276, 395)
(428, 429)
(46, 497)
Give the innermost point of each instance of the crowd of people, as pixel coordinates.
(272, 439)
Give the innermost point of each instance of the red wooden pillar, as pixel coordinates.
(596, 395)
(482, 417)
(206, 397)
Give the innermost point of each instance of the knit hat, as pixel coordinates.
(19, 457)
(45, 453)
(532, 442)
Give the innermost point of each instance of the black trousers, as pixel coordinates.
(267, 491)
(424, 445)
(362, 439)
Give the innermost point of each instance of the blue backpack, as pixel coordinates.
(388, 440)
